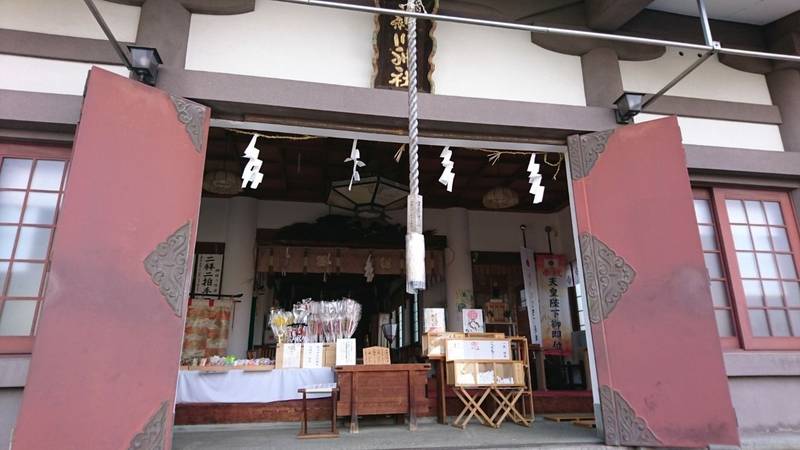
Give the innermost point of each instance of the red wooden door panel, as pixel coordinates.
(106, 354)
(660, 371)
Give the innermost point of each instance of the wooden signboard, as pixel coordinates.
(376, 355)
(391, 47)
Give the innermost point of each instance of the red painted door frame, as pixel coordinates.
(657, 353)
(106, 355)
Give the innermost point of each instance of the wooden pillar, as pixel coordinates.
(602, 79)
(784, 88)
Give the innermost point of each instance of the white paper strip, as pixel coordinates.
(536, 180)
(369, 269)
(355, 158)
(252, 171)
(447, 174)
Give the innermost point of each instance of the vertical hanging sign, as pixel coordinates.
(555, 318)
(208, 275)
(391, 57)
(531, 294)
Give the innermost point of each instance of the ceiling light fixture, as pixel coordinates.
(368, 198)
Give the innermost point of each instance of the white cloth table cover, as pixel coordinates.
(237, 386)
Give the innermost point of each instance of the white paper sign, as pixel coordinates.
(469, 349)
(531, 294)
(291, 355)
(313, 355)
(434, 320)
(472, 320)
(455, 350)
(208, 275)
(345, 352)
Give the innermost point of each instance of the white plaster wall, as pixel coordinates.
(766, 404)
(69, 18)
(473, 61)
(22, 73)
(725, 133)
(281, 40)
(712, 80)
(213, 222)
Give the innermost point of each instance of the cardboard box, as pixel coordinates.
(328, 355)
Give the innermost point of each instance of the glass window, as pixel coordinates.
(749, 241)
(716, 271)
(768, 269)
(30, 192)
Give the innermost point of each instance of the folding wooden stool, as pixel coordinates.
(507, 399)
(472, 407)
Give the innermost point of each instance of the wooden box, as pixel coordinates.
(329, 354)
(376, 355)
(482, 373)
(433, 343)
(380, 390)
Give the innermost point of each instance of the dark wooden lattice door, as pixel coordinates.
(106, 354)
(659, 364)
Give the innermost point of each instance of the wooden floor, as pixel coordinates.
(585, 423)
(570, 417)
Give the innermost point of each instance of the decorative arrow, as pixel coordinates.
(447, 174)
(536, 180)
(252, 171)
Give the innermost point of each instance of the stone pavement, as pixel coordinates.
(543, 433)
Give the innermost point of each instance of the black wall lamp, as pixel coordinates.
(144, 63)
(628, 104)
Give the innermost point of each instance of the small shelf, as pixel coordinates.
(485, 373)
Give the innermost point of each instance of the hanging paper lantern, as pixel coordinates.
(500, 198)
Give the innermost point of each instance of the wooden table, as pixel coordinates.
(304, 434)
(382, 390)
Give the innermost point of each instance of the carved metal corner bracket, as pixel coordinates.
(621, 424)
(192, 116)
(168, 267)
(584, 150)
(152, 435)
(608, 276)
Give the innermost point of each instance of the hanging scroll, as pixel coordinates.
(554, 304)
(208, 269)
(391, 52)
